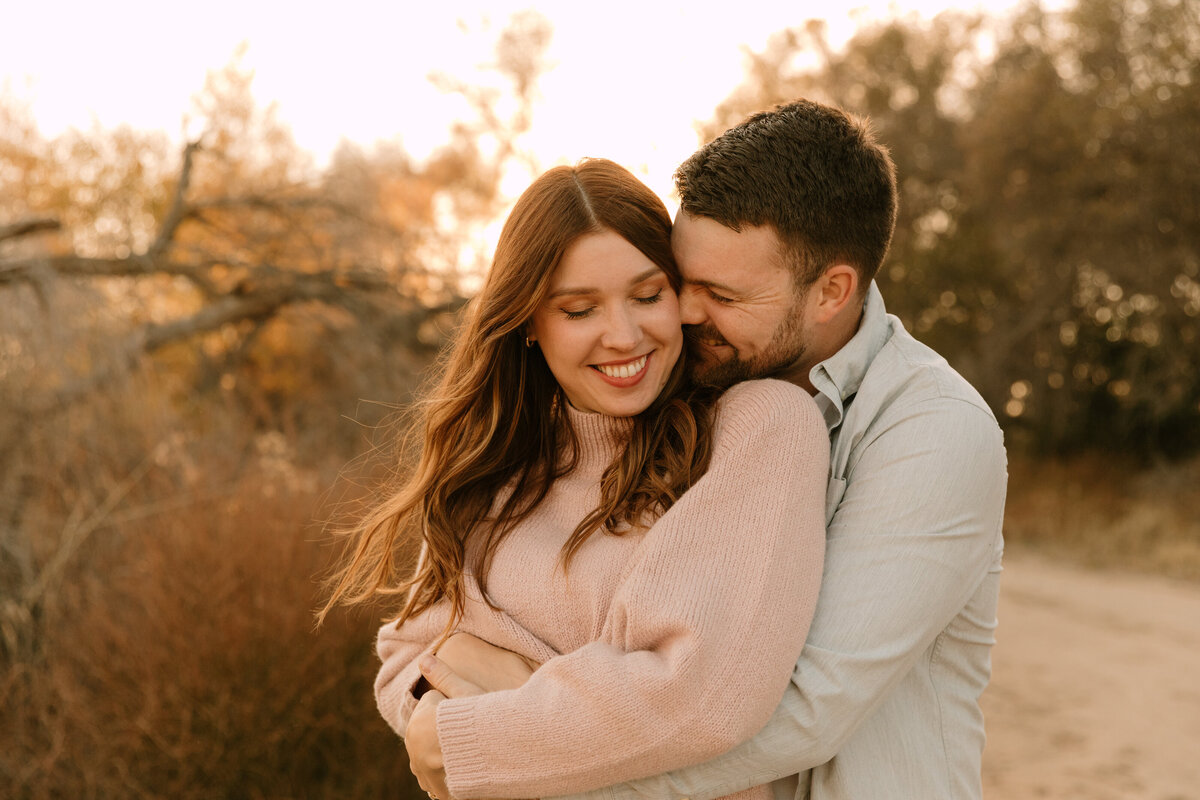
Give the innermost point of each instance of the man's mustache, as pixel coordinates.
(703, 335)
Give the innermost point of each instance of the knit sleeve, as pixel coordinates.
(700, 639)
(401, 647)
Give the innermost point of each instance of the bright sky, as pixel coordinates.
(629, 78)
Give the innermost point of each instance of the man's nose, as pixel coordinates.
(691, 310)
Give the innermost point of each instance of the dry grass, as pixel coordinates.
(1103, 512)
(179, 660)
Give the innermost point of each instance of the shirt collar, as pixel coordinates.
(837, 378)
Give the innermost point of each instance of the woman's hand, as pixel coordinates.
(464, 666)
(471, 666)
(424, 749)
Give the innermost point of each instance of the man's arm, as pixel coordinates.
(913, 537)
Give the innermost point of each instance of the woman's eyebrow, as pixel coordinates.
(639, 278)
(645, 276)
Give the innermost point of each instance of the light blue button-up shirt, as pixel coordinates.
(884, 701)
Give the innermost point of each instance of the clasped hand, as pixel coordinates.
(463, 667)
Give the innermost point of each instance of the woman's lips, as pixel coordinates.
(626, 374)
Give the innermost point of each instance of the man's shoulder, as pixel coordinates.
(907, 373)
(911, 401)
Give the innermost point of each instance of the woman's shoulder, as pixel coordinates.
(766, 394)
(771, 403)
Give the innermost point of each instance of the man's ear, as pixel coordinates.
(836, 289)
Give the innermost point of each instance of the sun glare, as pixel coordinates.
(631, 92)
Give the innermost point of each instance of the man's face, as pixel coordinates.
(742, 315)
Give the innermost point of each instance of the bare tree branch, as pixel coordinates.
(28, 226)
(269, 203)
(280, 205)
(78, 531)
(314, 285)
(238, 286)
(255, 300)
(30, 270)
(178, 205)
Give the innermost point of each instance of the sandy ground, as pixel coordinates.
(1095, 691)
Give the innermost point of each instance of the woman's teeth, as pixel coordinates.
(623, 370)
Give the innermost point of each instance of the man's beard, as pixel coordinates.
(785, 349)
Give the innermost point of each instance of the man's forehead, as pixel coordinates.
(693, 233)
(710, 254)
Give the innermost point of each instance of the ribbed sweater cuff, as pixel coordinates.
(400, 713)
(466, 772)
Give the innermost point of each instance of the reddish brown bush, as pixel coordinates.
(179, 660)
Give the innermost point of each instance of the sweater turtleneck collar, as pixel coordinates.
(600, 437)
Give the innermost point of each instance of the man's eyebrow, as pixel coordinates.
(570, 290)
(723, 288)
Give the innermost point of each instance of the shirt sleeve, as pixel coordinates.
(700, 638)
(912, 538)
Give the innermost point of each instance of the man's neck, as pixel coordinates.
(798, 372)
(826, 344)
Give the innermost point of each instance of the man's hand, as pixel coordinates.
(424, 749)
(466, 665)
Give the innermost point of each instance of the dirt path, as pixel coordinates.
(1095, 691)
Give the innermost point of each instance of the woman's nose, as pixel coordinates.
(622, 331)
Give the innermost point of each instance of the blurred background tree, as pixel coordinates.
(1047, 242)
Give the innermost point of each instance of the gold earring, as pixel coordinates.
(528, 342)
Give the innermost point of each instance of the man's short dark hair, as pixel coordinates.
(812, 172)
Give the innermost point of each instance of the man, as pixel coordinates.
(784, 221)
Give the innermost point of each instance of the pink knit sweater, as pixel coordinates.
(660, 648)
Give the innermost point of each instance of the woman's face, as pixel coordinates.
(609, 326)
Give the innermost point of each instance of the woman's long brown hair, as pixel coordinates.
(496, 418)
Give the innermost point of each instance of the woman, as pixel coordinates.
(577, 502)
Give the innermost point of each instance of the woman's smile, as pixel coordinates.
(625, 373)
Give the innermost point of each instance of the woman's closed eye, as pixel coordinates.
(582, 313)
